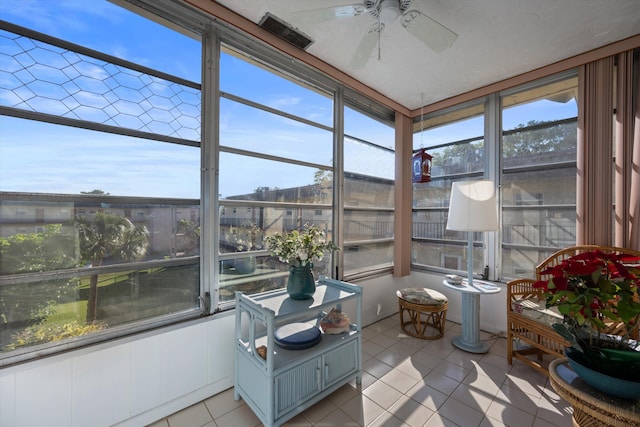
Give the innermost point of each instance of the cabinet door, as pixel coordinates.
(340, 362)
(296, 385)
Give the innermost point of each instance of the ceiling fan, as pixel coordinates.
(386, 12)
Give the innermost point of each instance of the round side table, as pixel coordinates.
(470, 338)
(591, 407)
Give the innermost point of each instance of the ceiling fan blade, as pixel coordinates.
(433, 34)
(324, 14)
(365, 48)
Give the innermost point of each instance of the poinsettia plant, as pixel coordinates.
(300, 247)
(592, 290)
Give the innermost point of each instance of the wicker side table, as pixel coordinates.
(426, 309)
(591, 407)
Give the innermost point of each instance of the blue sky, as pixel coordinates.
(38, 157)
(103, 26)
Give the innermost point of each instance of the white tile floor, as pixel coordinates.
(412, 382)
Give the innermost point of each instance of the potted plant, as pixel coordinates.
(299, 249)
(248, 237)
(595, 291)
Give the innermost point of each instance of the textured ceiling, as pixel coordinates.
(497, 39)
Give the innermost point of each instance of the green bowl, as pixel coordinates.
(608, 384)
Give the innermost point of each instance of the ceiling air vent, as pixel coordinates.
(285, 31)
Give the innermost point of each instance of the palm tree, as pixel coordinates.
(108, 236)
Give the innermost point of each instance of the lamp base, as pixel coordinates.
(479, 347)
(470, 338)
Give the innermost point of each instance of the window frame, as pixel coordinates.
(213, 34)
(347, 244)
(235, 42)
(28, 352)
(492, 242)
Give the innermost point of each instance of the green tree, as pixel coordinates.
(96, 192)
(546, 141)
(190, 231)
(48, 250)
(538, 137)
(322, 177)
(458, 158)
(108, 236)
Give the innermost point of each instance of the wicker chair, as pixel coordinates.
(537, 337)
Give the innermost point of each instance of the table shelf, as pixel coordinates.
(289, 381)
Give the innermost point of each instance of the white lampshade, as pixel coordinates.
(472, 206)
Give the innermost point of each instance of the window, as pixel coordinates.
(277, 146)
(538, 175)
(89, 139)
(368, 197)
(115, 179)
(455, 139)
(535, 168)
(276, 162)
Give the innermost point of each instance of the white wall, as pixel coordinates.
(136, 381)
(128, 382)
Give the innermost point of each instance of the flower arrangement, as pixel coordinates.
(590, 290)
(300, 247)
(249, 236)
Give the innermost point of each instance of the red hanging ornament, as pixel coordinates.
(421, 166)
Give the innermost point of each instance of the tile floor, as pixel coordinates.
(412, 382)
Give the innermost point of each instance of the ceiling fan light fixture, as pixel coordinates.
(429, 32)
(389, 11)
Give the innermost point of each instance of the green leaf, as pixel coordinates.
(567, 335)
(628, 310)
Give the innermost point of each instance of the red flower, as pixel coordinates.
(592, 286)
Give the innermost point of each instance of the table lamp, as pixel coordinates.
(472, 207)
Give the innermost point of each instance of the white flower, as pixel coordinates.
(299, 247)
